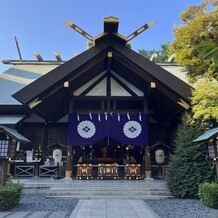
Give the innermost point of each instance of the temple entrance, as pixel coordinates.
(110, 151)
(109, 159)
(110, 144)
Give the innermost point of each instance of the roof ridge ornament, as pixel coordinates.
(79, 30)
(140, 30)
(110, 27)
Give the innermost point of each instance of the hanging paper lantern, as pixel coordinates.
(159, 156)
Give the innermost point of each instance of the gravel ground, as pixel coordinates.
(174, 208)
(34, 203)
(167, 208)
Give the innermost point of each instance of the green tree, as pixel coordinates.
(162, 55)
(205, 99)
(189, 165)
(146, 53)
(195, 29)
(209, 50)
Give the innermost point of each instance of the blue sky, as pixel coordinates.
(38, 24)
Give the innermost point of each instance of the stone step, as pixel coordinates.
(127, 197)
(97, 183)
(109, 188)
(109, 193)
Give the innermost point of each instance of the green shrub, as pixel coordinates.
(10, 196)
(208, 192)
(189, 166)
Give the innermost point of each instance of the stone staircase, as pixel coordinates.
(110, 189)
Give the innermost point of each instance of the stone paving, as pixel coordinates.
(94, 209)
(112, 209)
(37, 214)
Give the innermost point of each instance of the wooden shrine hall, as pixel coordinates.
(118, 107)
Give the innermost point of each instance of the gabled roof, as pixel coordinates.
(48, 96)
(207, 135)
(14, 134)
(67, 70)
(16, 78)
(10, 119)
(60, 74)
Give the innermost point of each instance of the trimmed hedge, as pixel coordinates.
(208, 192)
(10, 196)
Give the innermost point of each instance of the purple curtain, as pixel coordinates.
(86, 129)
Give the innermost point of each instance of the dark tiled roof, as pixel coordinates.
(14, 134)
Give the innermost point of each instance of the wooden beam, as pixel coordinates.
(45, 136)
(91, 98)
(108, 89)
(79, 30)
(82, 80)
(145, 106)
(85, 92)
(124, 86)
(139, 31)
(160, 75)
(86, 67)
(109, 110)
(111, 24)
(114, 105)
(148, 78)
(128, 75)
(71, 104)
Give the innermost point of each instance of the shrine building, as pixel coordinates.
(107, 109)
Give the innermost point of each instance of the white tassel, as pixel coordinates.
(90, 115)
(118, 117)
(78, 117)
(99, 117)
(105, 116)
(128, 116)
(140, 116)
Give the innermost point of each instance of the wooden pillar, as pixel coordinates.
(147, 161)
(217, 169)
(3, 170)
(68, 173)
(45, 137)
(104, 151)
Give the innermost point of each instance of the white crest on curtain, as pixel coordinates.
(90, 115)
(140, 116)
(128, 116)
(118, 117)
(105, 116)
(78, 117)
(111, 114)
(99, 117)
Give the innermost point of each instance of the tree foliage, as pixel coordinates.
(189, 165)
(162, 54)
(195, 29)
(209, 50)
(205, 99)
